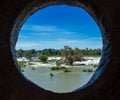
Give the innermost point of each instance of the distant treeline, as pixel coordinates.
(54, 52)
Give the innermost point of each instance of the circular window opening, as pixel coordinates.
(59, 48)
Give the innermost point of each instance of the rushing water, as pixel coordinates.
(61, 82)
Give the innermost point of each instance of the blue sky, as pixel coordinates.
(57, 26)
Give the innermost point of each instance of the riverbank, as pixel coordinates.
(55, 80)
(88, 61)
(89, 65)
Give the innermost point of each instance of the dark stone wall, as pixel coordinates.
(105, 84)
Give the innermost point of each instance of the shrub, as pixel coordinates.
(21, 65)
(51, 74)
(94, 65)
(54, 68)
(30, 63)
(58, 68)
(33, 68)
(43, 58)
(58, 63)
(67, 70)
(87, 70)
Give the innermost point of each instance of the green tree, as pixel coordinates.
(29, 53)
(78, 56)
(91, 52)
(21, 65)
(43, 58)
(19, 53)
(71, 55)
(67, 52)
(58, 63)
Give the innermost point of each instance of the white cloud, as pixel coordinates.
(96, 38)
(68, 41)
(58, 44)
(38, 28)
(31, 31)
(45, 29)
(26, 45)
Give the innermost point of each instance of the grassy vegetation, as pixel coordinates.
(21, 65)
(33, 68)
(67, 70)
(29, 63)
(94, 65)
(51, 74)
(58, 68)
(74, 69)
(87, 70)
(64, 69)
(53, 52)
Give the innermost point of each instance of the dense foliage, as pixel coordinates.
(91, 52)
(58, 63)
(21, 65)
(43, 58)
(71, 55)
(53, 52)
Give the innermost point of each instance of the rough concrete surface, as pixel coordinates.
(105, 84)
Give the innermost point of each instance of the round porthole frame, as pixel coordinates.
(97, 16)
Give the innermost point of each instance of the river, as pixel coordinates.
(61, 82)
